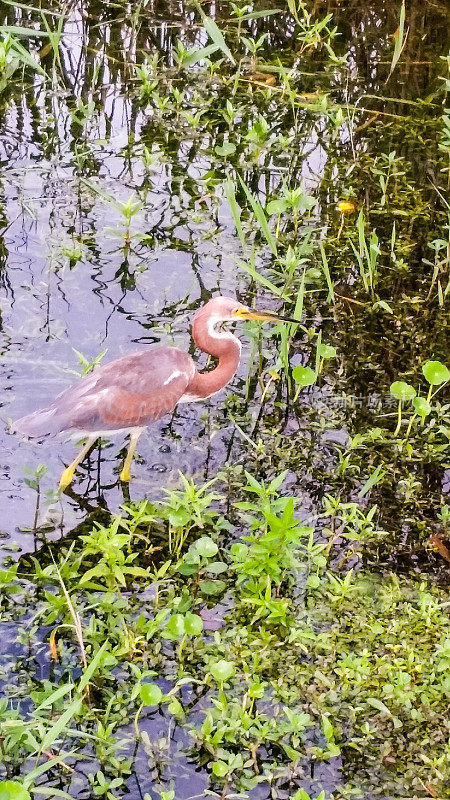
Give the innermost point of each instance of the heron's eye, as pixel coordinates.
(237, 311)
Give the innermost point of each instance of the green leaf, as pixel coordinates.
(383, 305)
(377, 475)
(212, 587)
(193, 624)
(175, 708)
(226, 149)
(304, 376)
(276, 206)
(399, 39)
(421, 406)
(435, 373)
(260, 216)
(216, 35)
(13, 790)
(92, 667)
(150, 694)
(220, 769)
(222, 670)
(175, 626)
(313, 581)
(19, 50)
(379, 705)
(192, 56)
(258, 14)
(61, 724)
(206, 547)
(216, 568)
(188, 568)
(402, 391)
(326, 351)
(54, 697)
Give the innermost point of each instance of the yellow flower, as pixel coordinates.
(346, 206)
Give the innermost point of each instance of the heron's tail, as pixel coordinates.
(44, 422)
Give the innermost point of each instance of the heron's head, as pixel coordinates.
(228, 309)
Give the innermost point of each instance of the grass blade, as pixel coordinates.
(250, 269)
(90, 670)
(24, 57)
(61, 723)
(230, 194)
(258, 14)
(55, 696)
(298, 310)
(216, 35)
(377, 475)
(27, 33)
(399, 40)
(326, 272)
(260, 216)
(193, 56)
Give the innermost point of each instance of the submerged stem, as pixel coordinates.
(399, 418)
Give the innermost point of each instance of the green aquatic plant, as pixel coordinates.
(188, 509)
(291, 644)
(437, 375)
(296, 200)
(324, 352)
(403, 392)
(366, 255)
(88, 366)
(303, 377)
(13, 55)
(400, 37)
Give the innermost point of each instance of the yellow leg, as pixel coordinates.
(134, 437)
(66, 477)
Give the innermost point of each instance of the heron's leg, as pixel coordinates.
(134, 437)
(66, 477)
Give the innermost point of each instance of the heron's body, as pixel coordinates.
(123, 394)
(133, 391)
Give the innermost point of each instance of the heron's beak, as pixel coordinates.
(248, 314)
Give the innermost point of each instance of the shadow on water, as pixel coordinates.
(74, 148)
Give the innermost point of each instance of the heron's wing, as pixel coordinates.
(129, 392)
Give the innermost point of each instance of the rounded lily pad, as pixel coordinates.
(212, 587)
(175, 626)
(193, 624)
(402, 391)
(206, 547)
(436, 372)
(304, 376)
(175, 708)
(326, 351)
(151, 695)
(421, 406)
(222, 670)
(13, 790)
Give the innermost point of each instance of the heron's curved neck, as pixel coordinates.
(220, 344)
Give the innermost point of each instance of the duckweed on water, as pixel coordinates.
(274, 622)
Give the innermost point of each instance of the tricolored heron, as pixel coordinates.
(133, 391)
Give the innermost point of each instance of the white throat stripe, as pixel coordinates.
(172, 376)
